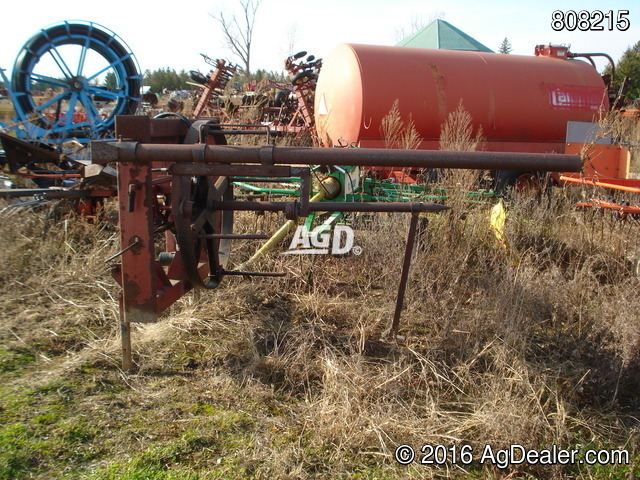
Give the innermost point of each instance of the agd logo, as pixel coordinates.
(320, 241)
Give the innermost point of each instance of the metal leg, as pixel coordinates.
(125, 333)
(404, 276)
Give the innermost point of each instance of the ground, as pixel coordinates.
(295, 378)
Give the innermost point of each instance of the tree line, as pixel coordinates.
(628, 66)
(170, 79)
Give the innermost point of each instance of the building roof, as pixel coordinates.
(442, 35)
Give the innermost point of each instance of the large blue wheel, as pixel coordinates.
(87, 74)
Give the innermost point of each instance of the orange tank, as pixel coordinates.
(522, 103)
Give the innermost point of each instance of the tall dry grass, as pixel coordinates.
(457, 133)
(493, 354)
(397, 132)
(56, 294)
(540, 351)
(626, 132)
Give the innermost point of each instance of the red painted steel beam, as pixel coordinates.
(136, 205)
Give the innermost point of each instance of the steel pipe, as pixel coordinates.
(103, 152)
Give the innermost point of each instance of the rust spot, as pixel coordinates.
(131, 288)
(442, 97)
(492, 109)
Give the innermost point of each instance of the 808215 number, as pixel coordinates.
(590, 21)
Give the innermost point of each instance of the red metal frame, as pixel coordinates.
(216, 83)
(149, 198)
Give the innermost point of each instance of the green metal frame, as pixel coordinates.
(364, 189)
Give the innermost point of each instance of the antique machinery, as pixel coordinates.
(213, 86)
(185, 192)
(90, 76)
(303, 75)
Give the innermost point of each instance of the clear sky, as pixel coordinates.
(172, 34)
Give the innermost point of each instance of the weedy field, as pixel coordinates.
(293, 378)
(533, 342)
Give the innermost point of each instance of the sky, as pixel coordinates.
(163, 34)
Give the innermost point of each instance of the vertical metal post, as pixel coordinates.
(138, 297)
(136, 204)
(404, 276)
(125, 334)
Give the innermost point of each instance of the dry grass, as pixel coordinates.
(457, 132)
(293, 378)
(493, 354)
(53, 266)
(399, 133)
(625, 131)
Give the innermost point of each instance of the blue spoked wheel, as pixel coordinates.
(85, 75)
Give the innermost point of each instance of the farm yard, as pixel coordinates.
(293, 378)
(230, 273)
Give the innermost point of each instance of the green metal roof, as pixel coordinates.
(442, 35)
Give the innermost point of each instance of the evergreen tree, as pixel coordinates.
(110, 81)
(629, 66)
(166, 78)
(505, 46)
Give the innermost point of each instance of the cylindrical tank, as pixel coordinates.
(522, 103)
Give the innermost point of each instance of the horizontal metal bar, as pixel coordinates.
(230, 170)
(43, 192)
(60, 175)
(244, 132)
(247, 125)
(232, 236)
(596, 203)
(264, 180)
(229, 154)
(277, 191)
(254, 274)
(596, 183)
(333, 206)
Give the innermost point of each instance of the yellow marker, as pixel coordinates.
(497, 221)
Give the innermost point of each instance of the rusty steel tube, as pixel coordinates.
(370, 157)
(404, 275)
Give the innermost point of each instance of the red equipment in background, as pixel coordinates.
(523, 103)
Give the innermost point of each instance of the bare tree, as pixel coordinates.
(292, 38)
(291, 42)
(416, 23)
(437, 15)
(238, 33)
